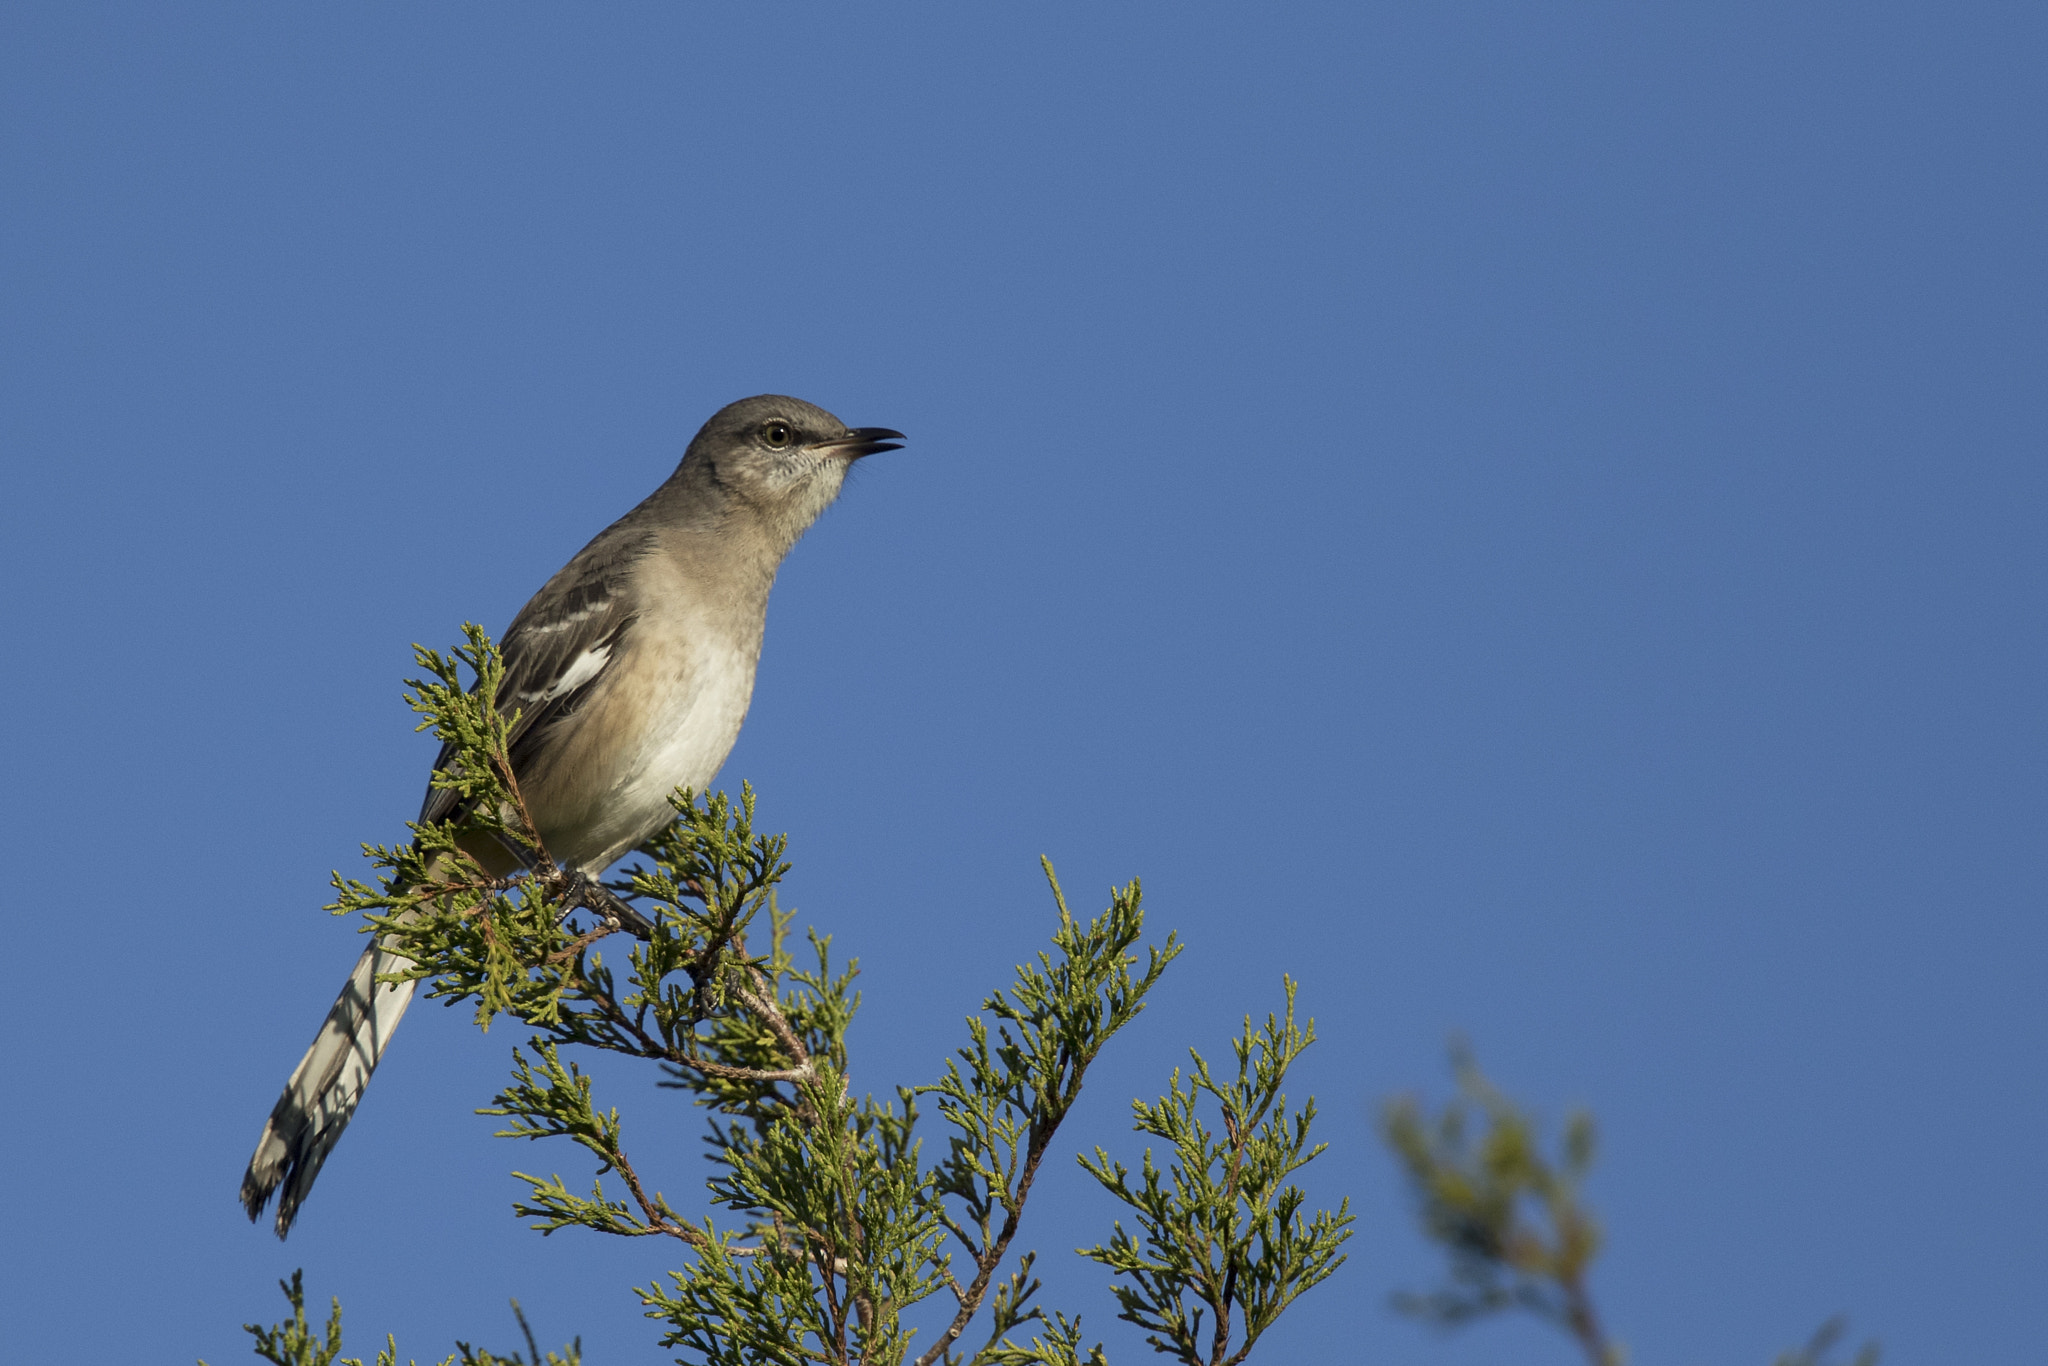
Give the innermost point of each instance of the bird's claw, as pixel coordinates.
(610, 907)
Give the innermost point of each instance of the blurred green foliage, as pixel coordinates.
(1511, 1218)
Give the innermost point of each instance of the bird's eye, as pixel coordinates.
(776, 433)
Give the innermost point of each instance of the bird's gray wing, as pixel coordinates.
(557, 648)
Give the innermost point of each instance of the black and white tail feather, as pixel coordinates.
(322, 1094)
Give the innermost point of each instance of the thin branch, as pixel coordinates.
(581, 943)
(1584, 1321)
(730, 1073)
(946, 1219)
(655, 1212)
(986, 1265)
(503, 759)
(1220, 1343)
(771, 1013)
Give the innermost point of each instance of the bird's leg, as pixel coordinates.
(584, 890)
(581, 890)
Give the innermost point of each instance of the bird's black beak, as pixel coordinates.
(863, 441)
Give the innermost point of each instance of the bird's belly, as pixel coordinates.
(693, 716)
(687, 749)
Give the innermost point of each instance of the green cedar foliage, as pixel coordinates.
(836, 1222)
(293, 1342)
(1223, 1232)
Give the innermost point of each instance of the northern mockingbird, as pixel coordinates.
(630, 671)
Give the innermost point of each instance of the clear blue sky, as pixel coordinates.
(1526, 517)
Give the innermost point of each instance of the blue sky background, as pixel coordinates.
(1526, 517)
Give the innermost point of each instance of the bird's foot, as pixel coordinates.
(610, 907)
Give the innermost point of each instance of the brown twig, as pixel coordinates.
(826, 1259)
(581, 943)
(985, 1265)
(1584, 1322)
(503, 759)
(965, 1241)
(1238, 1136)
(654, 1213)
(652, 1047)
(770, 1012)
(731, 1073)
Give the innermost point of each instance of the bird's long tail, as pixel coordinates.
(321, 1096)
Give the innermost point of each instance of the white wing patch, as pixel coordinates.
(563, 623)
(581, 670)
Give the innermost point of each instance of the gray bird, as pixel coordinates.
(631, 671)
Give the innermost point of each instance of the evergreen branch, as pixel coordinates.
(1059, 1345)
(1010, 1100)
(1224, 1236)
(555, 1101)
(839, 1227)
(294, 1343)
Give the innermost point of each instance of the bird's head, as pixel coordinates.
(779, 460)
